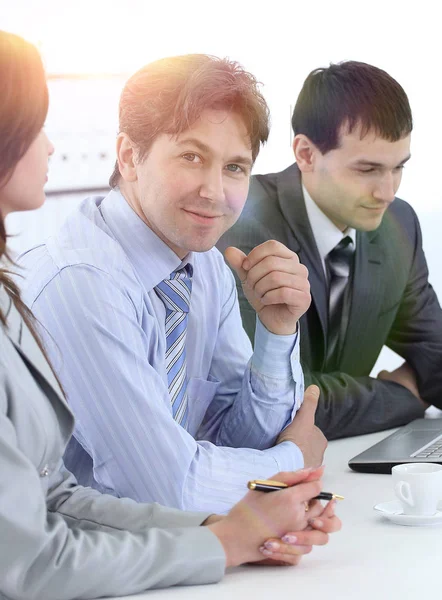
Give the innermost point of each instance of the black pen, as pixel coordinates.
(267, 485)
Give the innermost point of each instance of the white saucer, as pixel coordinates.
(393, 512)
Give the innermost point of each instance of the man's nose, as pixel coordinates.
(212, 186)
(386, 189)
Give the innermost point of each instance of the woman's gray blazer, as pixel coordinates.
(59, 540)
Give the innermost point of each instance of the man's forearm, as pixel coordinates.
(357, 405)
(404, 376)
(272, 391)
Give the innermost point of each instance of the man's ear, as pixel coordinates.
(305, 151)
(126, 157)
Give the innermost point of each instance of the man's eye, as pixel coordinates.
(235, 168)
(191, 157)
(366, 170)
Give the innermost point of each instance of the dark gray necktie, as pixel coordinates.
(339, 263)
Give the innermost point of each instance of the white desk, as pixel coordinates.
(370, 558)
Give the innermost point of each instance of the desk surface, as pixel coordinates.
(370, 558)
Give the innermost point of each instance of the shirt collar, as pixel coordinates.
(151, 258)
(326, 234)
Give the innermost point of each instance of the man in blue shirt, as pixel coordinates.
(140, 312)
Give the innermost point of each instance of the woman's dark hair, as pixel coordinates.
(350, 94)
(23, 109)
(169, 95)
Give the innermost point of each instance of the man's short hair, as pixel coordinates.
(169, 95)
(349, 94)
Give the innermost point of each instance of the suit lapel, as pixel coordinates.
(292, 205)
(25, 344)
(366, 296)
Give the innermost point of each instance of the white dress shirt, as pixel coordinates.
(325, 232)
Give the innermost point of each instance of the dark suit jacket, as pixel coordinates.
(392, 304)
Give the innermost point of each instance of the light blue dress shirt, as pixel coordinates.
(92, 288)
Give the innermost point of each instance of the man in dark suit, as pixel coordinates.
(336, 207)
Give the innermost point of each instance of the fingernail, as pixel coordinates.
(315, 391)
(271, 546)
(246, 265)
(316, 522)
(265, 551)
(289, 539)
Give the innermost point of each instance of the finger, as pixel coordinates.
(276, 264)
(276, 280)
(286, 560)
(292, 554)
(296, 498)
(294, 477)
(303, 492)
(269, 248)
(276, 545)
(329, 510)
(295, 300)
(235, 258)
(306, 537)
(310, 403)
(292, 501)
(315, 509)
(292, 561)
(316, 473)
(330, 525)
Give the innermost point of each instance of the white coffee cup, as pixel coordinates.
(418, 487)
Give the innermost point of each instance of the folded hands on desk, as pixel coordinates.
(277, 526)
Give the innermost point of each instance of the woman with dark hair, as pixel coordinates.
(59, 540)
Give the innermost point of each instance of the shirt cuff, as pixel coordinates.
(275, 356)
(287, 455)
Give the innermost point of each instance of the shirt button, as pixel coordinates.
(45, 471)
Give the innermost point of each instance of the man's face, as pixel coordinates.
(355, 183)
(190, 189)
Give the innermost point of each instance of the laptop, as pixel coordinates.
(419, 441)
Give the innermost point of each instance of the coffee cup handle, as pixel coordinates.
(403, 491)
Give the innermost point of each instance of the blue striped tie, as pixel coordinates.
(175, 294)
